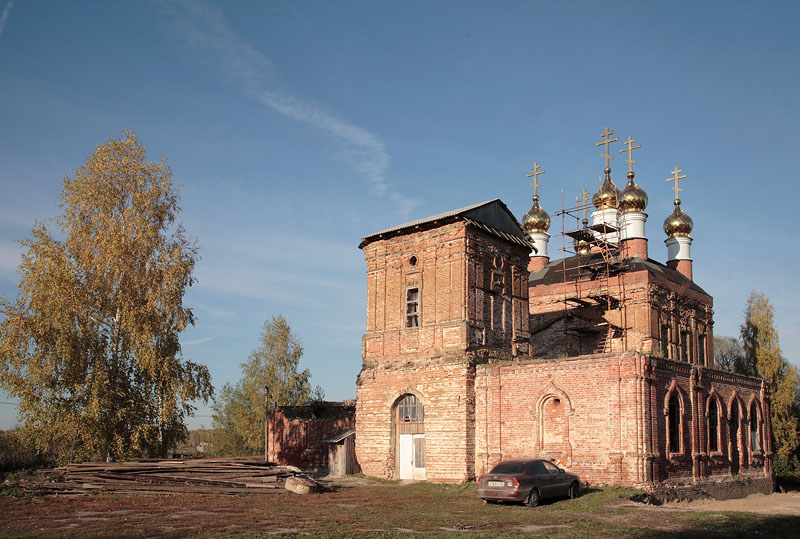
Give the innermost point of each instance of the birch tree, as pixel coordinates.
(762, 358)
(90, 345)
(273, 366)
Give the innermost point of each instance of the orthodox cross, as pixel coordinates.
(677, 176)
(630, 149)
(581, 200)
(605, 142)
(536, 171)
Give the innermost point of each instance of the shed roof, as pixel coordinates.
(492, 216)
(339, 437)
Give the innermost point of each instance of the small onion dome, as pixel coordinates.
(606, 196)
(633, 197)
(536, 220)
(583, 247)
(678, 223)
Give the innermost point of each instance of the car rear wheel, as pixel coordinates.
(533, 498)
(574, 490)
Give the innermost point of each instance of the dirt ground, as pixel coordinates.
(361, 506)
(773, 504)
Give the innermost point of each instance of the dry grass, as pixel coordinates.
(366, 507)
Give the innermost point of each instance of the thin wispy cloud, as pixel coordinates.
(203, 26)
(4, 15)
(198, 341)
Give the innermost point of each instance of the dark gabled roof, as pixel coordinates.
(553, 272)
(492, 216)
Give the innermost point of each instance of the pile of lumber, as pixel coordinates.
(206, 476)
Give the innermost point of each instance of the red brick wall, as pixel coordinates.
(695, 460)
(473, 306)
(297, 441)
(604, 417)
(473, 290)
(442, 386)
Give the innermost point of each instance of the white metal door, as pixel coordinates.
(405, 457)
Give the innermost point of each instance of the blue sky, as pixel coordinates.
(295, 128)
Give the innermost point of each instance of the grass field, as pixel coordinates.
(361, 506)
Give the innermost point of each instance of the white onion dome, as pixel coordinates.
(678, 223)
(632, 197)
(536, 219)
(606, 196)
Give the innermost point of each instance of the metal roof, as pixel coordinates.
(339, 437)
(493, 216)
(554, 271)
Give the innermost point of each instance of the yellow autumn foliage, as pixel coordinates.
(90, 345)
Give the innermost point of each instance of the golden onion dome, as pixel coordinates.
(606, 196)
(678, 223)
(632, 197)
(582, 247)
(536, 219)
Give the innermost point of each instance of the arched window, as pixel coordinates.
(713, 425)
(674, 420)
(755, 438)
(409, 410)
(734, 433)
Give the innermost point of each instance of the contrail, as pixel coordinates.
(4, 15)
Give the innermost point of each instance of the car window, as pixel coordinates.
(538, 468)
(509, 467)
(551, 468)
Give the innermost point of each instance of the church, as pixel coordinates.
(480, 348)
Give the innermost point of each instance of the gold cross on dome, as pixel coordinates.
(676, 177)
(536, 171)
(581, 200)
(630, 149)
(606, 141)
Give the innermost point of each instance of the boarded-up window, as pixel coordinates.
(412, 307)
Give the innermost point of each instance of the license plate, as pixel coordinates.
(496, 483)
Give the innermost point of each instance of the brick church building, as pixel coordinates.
(479, 348)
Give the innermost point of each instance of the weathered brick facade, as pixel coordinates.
(607, 372)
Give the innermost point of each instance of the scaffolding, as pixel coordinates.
(587, 282)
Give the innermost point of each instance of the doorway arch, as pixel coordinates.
(408, 416)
